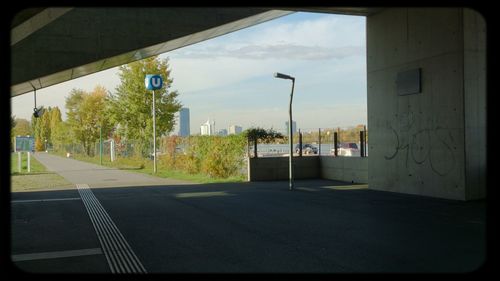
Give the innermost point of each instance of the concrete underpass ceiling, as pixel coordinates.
(54, 45)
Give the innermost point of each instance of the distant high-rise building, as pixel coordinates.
(184, 129)
(208, 128)
(294, 127)
(222, 132)
(234, 130)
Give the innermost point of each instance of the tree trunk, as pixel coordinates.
(87, 148)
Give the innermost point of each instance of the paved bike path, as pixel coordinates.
(78, 172)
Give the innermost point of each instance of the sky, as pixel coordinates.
(230, 78)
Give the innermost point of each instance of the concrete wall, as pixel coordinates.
(350, 169)
(276, 168)
(475, 104)
(418, 142)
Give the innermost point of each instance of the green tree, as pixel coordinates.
(62, 136)
(36, 124)
(87, 113)
(22, 127)
(41, 125)
(44, 127)
(253, 136)
(55, 119)
(74, 119)
(131, 105)
(95, 116)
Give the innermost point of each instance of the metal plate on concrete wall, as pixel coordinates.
(408, 82)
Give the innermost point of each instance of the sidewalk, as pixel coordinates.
(78, 172)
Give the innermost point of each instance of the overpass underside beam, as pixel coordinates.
(83, 41)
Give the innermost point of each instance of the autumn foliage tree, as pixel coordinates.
(42, 127)
(39, 146)
(87, 114)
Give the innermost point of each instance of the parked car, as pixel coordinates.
(347, 149)
(306, 149)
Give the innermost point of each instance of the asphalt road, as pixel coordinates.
(321, 227)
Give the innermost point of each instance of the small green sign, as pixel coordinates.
(25, 144)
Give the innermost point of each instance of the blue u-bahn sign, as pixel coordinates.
(153, 81)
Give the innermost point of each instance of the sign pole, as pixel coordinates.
(112, 150)
(19, 161)
(29, 166)
(154, 134)
(153, 82)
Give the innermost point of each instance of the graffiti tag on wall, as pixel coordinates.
(424, 145)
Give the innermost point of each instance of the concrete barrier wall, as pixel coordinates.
(276, 168)
(350, 169)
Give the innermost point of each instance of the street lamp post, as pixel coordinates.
(290, 128)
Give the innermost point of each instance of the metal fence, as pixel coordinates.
(350, 141)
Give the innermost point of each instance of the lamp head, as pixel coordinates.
(283, 76)
(37, 112)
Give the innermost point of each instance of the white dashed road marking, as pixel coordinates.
(44, 200)
(56, 255)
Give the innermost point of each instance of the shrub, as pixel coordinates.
(216, 156)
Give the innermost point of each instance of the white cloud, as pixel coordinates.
(326, 30)
(193, 76)
(261, 50)
(276, 51)
(324, 37)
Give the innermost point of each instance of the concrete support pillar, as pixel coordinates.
(430, 143)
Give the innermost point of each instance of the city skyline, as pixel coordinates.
(184, 127)
(235, 129)
(230, 78)
(207, 128)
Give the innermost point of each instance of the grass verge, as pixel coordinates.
(145, 166)
(37, 180)
(36, 167)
